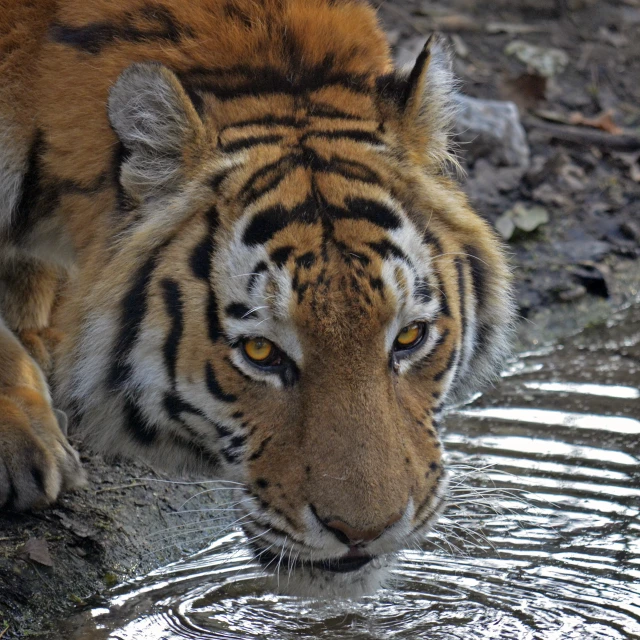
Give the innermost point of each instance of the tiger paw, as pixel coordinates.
(37, 463)
(40, 344)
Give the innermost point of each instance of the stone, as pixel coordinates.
(491, 129)
(546, 61)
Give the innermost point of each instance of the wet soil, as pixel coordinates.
(570, 273)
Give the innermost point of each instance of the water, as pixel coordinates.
(542, 538)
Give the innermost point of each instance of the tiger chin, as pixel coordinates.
(230, 243)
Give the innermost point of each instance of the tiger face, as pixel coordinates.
(310, 290)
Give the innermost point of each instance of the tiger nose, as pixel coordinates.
(351, 536)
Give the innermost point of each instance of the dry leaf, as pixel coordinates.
(604, 122)
(37, 550)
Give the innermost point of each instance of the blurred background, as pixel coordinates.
(551, 145)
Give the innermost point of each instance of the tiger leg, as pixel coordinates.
(36, 461)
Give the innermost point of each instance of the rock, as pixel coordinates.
(631, 230)
(491, 129)
(595, 278)
(574, 251)
(548, 194)
(572, 294)
(486, 183)
(546, 61)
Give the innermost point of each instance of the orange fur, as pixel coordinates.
(175, 153)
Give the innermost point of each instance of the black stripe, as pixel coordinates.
(306, 261)
(94, 37)
(267, 121)
(450, 363)
(200, 260)
(429, 238)
(173, 306)
(134, 309)
(276, 171)
(385, 248)
(462, 288)
(280, 256)
(323, 110)
(174, 405)
(255, 274)
(200, 263)
(445, 310)
(267, 223)
(371, 211)
(261, 449)
(413, 80)
(136, 425)
(214, 328)
(479, 274)
(240, 81)
(307, 158)
(247, 143)
(214, 386)
(355, 135)
(422, 291)
(38, 198)
(240, 311)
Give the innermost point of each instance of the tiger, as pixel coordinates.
(233, 244)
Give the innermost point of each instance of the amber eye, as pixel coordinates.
(260, 351)
(410, 336)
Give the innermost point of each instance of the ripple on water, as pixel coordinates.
(541, 539)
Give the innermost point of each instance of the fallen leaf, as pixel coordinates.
(604, 122)
(37, 550)
(521, 217)
(528, 219)
(505, 226)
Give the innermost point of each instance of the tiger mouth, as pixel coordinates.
(346, 564)
(342, 565)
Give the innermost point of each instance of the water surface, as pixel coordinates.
(541, 540)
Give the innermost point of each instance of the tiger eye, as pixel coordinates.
(410, 335)
(258, 349)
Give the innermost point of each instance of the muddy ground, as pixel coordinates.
(571, 271)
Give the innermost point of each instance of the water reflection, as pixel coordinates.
(609, 391)
(552, 418)
(541, 538)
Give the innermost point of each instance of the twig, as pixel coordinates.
(582, 135)
(123, 486)
(4, 631)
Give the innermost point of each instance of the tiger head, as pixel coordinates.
(310, 290)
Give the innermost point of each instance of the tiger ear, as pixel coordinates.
(158, 127)
(422, 104)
